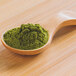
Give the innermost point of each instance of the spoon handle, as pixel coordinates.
(68, 18)
(62, 19)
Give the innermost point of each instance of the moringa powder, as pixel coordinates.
(26, 37)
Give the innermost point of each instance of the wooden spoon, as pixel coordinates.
(62, 19)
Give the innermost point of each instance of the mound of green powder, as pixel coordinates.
(26, 37)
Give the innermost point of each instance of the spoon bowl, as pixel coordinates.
(62, 19)
(25, 52)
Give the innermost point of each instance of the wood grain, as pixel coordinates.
(58, 60)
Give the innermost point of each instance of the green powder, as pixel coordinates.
(26, 37)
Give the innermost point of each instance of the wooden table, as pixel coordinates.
(58, 60)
